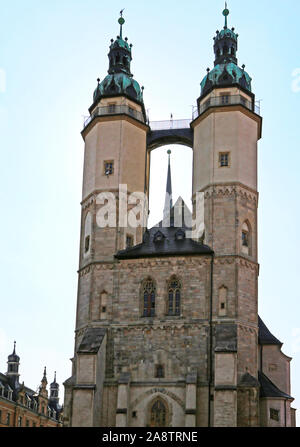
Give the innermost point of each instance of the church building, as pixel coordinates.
(167, 328)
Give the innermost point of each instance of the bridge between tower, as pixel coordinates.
(169, 132)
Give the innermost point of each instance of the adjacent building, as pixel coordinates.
(21, 406)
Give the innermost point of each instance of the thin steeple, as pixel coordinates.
(168, 198)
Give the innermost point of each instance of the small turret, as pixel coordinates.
(226, 71)
(44, 382)
(119, 80)
(13, 363)
(54, 390)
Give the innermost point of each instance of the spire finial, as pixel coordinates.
(45, 372)
(14, 347)
(168, 199)
(54, 376)
(121, 21)
(225, 14)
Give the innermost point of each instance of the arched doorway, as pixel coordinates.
(158, 413)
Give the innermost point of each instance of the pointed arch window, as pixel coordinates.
(246, 238)
(158, 414)
(174, 296)
(149, 292)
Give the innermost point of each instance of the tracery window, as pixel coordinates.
(174, 297)
(158, 414)
(149, 291)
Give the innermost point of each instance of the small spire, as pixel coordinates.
(54, 376)
(14, 347)
(168, 199)
(225, 14)
(45, 374)
(121, 21)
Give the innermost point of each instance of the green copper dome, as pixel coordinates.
(119, 84)
(119, 80)
(226, 74)
(226, 71)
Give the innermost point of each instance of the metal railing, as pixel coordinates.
(226, 100)
(114, 109)
(170, 124)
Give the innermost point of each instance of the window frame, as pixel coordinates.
(221, 155)
(108, 162)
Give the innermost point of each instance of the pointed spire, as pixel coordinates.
(45, 375)
(54, 381)
(14, 348)
(168, 199)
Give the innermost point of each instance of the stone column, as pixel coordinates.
(123, 400)
(190, 399)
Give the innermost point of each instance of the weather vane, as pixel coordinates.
(121, 21)
(225, 14)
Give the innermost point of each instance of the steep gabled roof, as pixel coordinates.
(264, 335)
(170, 244)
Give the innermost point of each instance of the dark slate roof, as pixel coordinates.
(92, 340)
(170, 245)
(264, 335)
(269, 389)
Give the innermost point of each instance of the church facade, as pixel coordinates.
(167, 327)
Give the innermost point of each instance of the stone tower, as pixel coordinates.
(167, 329)
(225, 170)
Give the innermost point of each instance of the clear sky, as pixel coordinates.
(51, 53)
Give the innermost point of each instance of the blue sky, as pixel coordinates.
(51, 54)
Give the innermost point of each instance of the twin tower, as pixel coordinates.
(167, 326)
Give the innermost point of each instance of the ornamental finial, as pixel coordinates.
(121, 21)
(225, 14)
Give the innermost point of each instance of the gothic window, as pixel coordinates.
(87, 234)
(149, 298)
(108, 167)
(174, 297)
(158, 414)
(246, 239)
(159, 371)
(19, 421)
(117, 58)
(87, 244)
(225, 50)
(223, 159)
(8, 419)
(232, 51)
(218, 53)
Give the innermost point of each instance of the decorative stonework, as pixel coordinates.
(157, 391)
